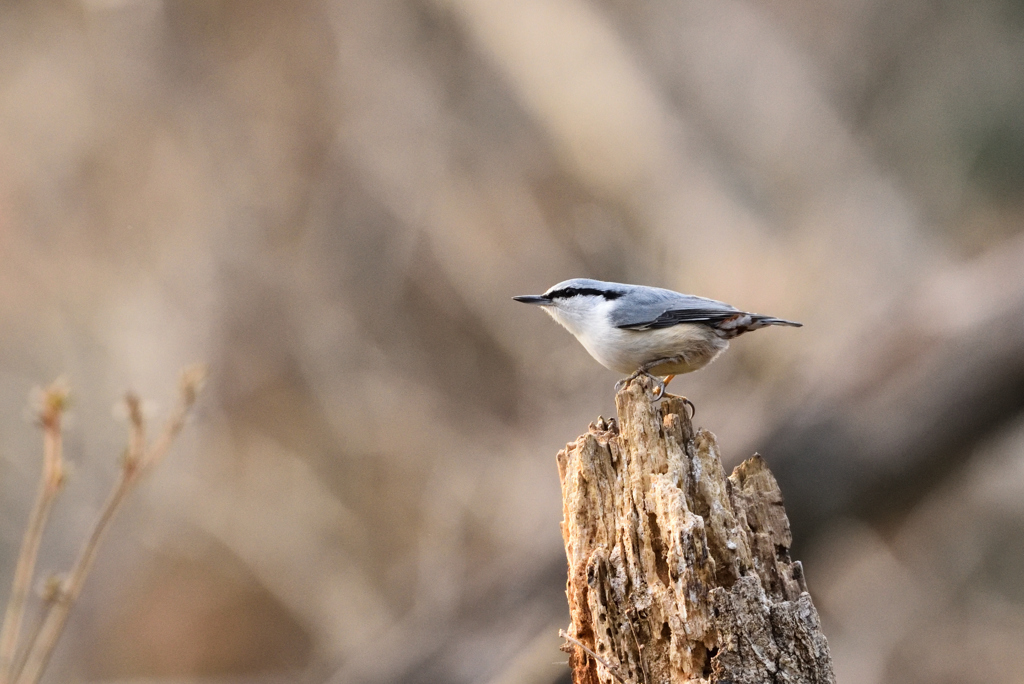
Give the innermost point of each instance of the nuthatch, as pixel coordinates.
(646, 330)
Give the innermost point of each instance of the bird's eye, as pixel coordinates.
(567, 292)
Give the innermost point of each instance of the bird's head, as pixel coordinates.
(576, 303)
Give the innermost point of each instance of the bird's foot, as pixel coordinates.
(687, 402)
(661, 386)
(657, 391)
(660, 389)
(625, 381)
(661, 392)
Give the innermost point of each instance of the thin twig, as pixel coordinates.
(189, 385)
(136, 463)
(54, 401)
(614, 671)
(137, 439)
(49, 593)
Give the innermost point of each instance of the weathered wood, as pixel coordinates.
(677, 573)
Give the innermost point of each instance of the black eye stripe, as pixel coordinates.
(574, 291)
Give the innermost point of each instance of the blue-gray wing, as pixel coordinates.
(663, 309)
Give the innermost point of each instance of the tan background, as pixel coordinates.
(331, 203)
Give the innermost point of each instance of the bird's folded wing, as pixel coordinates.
(663, 312)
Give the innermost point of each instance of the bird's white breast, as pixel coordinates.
(626, 351)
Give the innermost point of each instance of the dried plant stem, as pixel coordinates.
(50, 592)
(137, 461)
(57, 614)
(562, 633)
(50, 483)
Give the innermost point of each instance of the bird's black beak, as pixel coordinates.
(533, 299)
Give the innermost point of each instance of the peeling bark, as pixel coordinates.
(676, 572)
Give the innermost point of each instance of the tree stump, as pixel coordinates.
(677, 573)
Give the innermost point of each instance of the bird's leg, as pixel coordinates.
(645, 369)
(662, 387)
(659, 385)
(625, 381)
(664, 393)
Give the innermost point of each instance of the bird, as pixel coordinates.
(635, 329)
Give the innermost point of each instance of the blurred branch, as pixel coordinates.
(54, 400)
(885, 441)
(50, 592)
(137, 461)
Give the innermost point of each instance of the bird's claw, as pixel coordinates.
(659, 391)
(693, 409)
(625, 381)
(662, 394)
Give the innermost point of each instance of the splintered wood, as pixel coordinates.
(677, 573)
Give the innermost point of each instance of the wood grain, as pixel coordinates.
(678, 573)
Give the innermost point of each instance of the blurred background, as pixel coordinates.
(331, 203)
